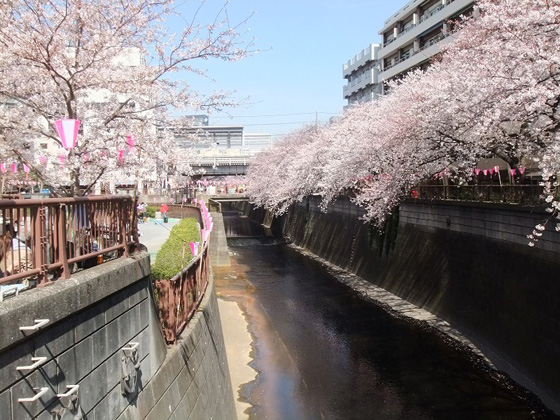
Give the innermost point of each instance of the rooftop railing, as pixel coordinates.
(44, 240)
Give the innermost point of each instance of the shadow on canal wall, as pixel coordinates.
(469, 265)
(95, 320)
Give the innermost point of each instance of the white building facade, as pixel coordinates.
(409, 39)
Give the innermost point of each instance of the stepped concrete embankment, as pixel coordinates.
(102, 333)
(467, 264)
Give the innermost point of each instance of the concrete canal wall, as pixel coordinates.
(469, 265)
(95, 320)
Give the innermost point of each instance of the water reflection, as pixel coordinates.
(325, 353)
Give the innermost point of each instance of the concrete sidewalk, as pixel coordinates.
(154, 233)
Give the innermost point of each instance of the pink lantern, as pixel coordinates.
(68, 132)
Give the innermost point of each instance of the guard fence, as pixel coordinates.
(43, 240)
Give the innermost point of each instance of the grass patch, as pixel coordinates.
(175, 253)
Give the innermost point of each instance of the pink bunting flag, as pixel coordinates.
(485, 172)
(521, 170)
(512, 172)
(477, 171)
(26, 170)
(130, 141)
(193, 250)
(120, 157)
(3, 168)
(14, 167)
(202, 234)
(206, 234)
(68, 132)
(491, 171)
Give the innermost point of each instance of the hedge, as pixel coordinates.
(175, 253)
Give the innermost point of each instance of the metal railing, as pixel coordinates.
(179, 297)
(514, 194)
(46, 239)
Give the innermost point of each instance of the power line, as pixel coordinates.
(275, 115)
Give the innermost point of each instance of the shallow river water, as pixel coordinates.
(323, 352)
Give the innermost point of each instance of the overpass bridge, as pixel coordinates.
(221, 165)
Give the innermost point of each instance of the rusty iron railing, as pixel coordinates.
(47, 239)
(508, 193)
(179, 297)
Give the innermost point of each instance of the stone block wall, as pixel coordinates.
(193, 383)
(468, 264)
(94, 318)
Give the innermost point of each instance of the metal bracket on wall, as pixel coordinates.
(38, 323)
(133, 345)
(42, 391)
(72, 389)
(130, 364)
(38, 362)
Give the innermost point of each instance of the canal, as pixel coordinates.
(323, 352)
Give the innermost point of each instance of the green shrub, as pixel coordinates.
(175, 253)
(151, 211)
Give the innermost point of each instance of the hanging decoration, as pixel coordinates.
(130, 142)
(3, 168)
(26, 170)
(14, 167)
(68, 132)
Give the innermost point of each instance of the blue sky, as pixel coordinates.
(297, 77)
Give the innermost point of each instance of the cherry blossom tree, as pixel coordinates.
(494, 91)
(115, 66)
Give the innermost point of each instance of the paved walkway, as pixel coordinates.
(154, 233)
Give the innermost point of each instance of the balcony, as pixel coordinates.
(368, 78)
(426, 21)
(360, 59)
(428, 50)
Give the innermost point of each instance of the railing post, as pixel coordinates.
(39, 242)
(61, 228)
(124, 234)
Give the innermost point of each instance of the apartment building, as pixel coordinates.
(409, 39)
(362, 75)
